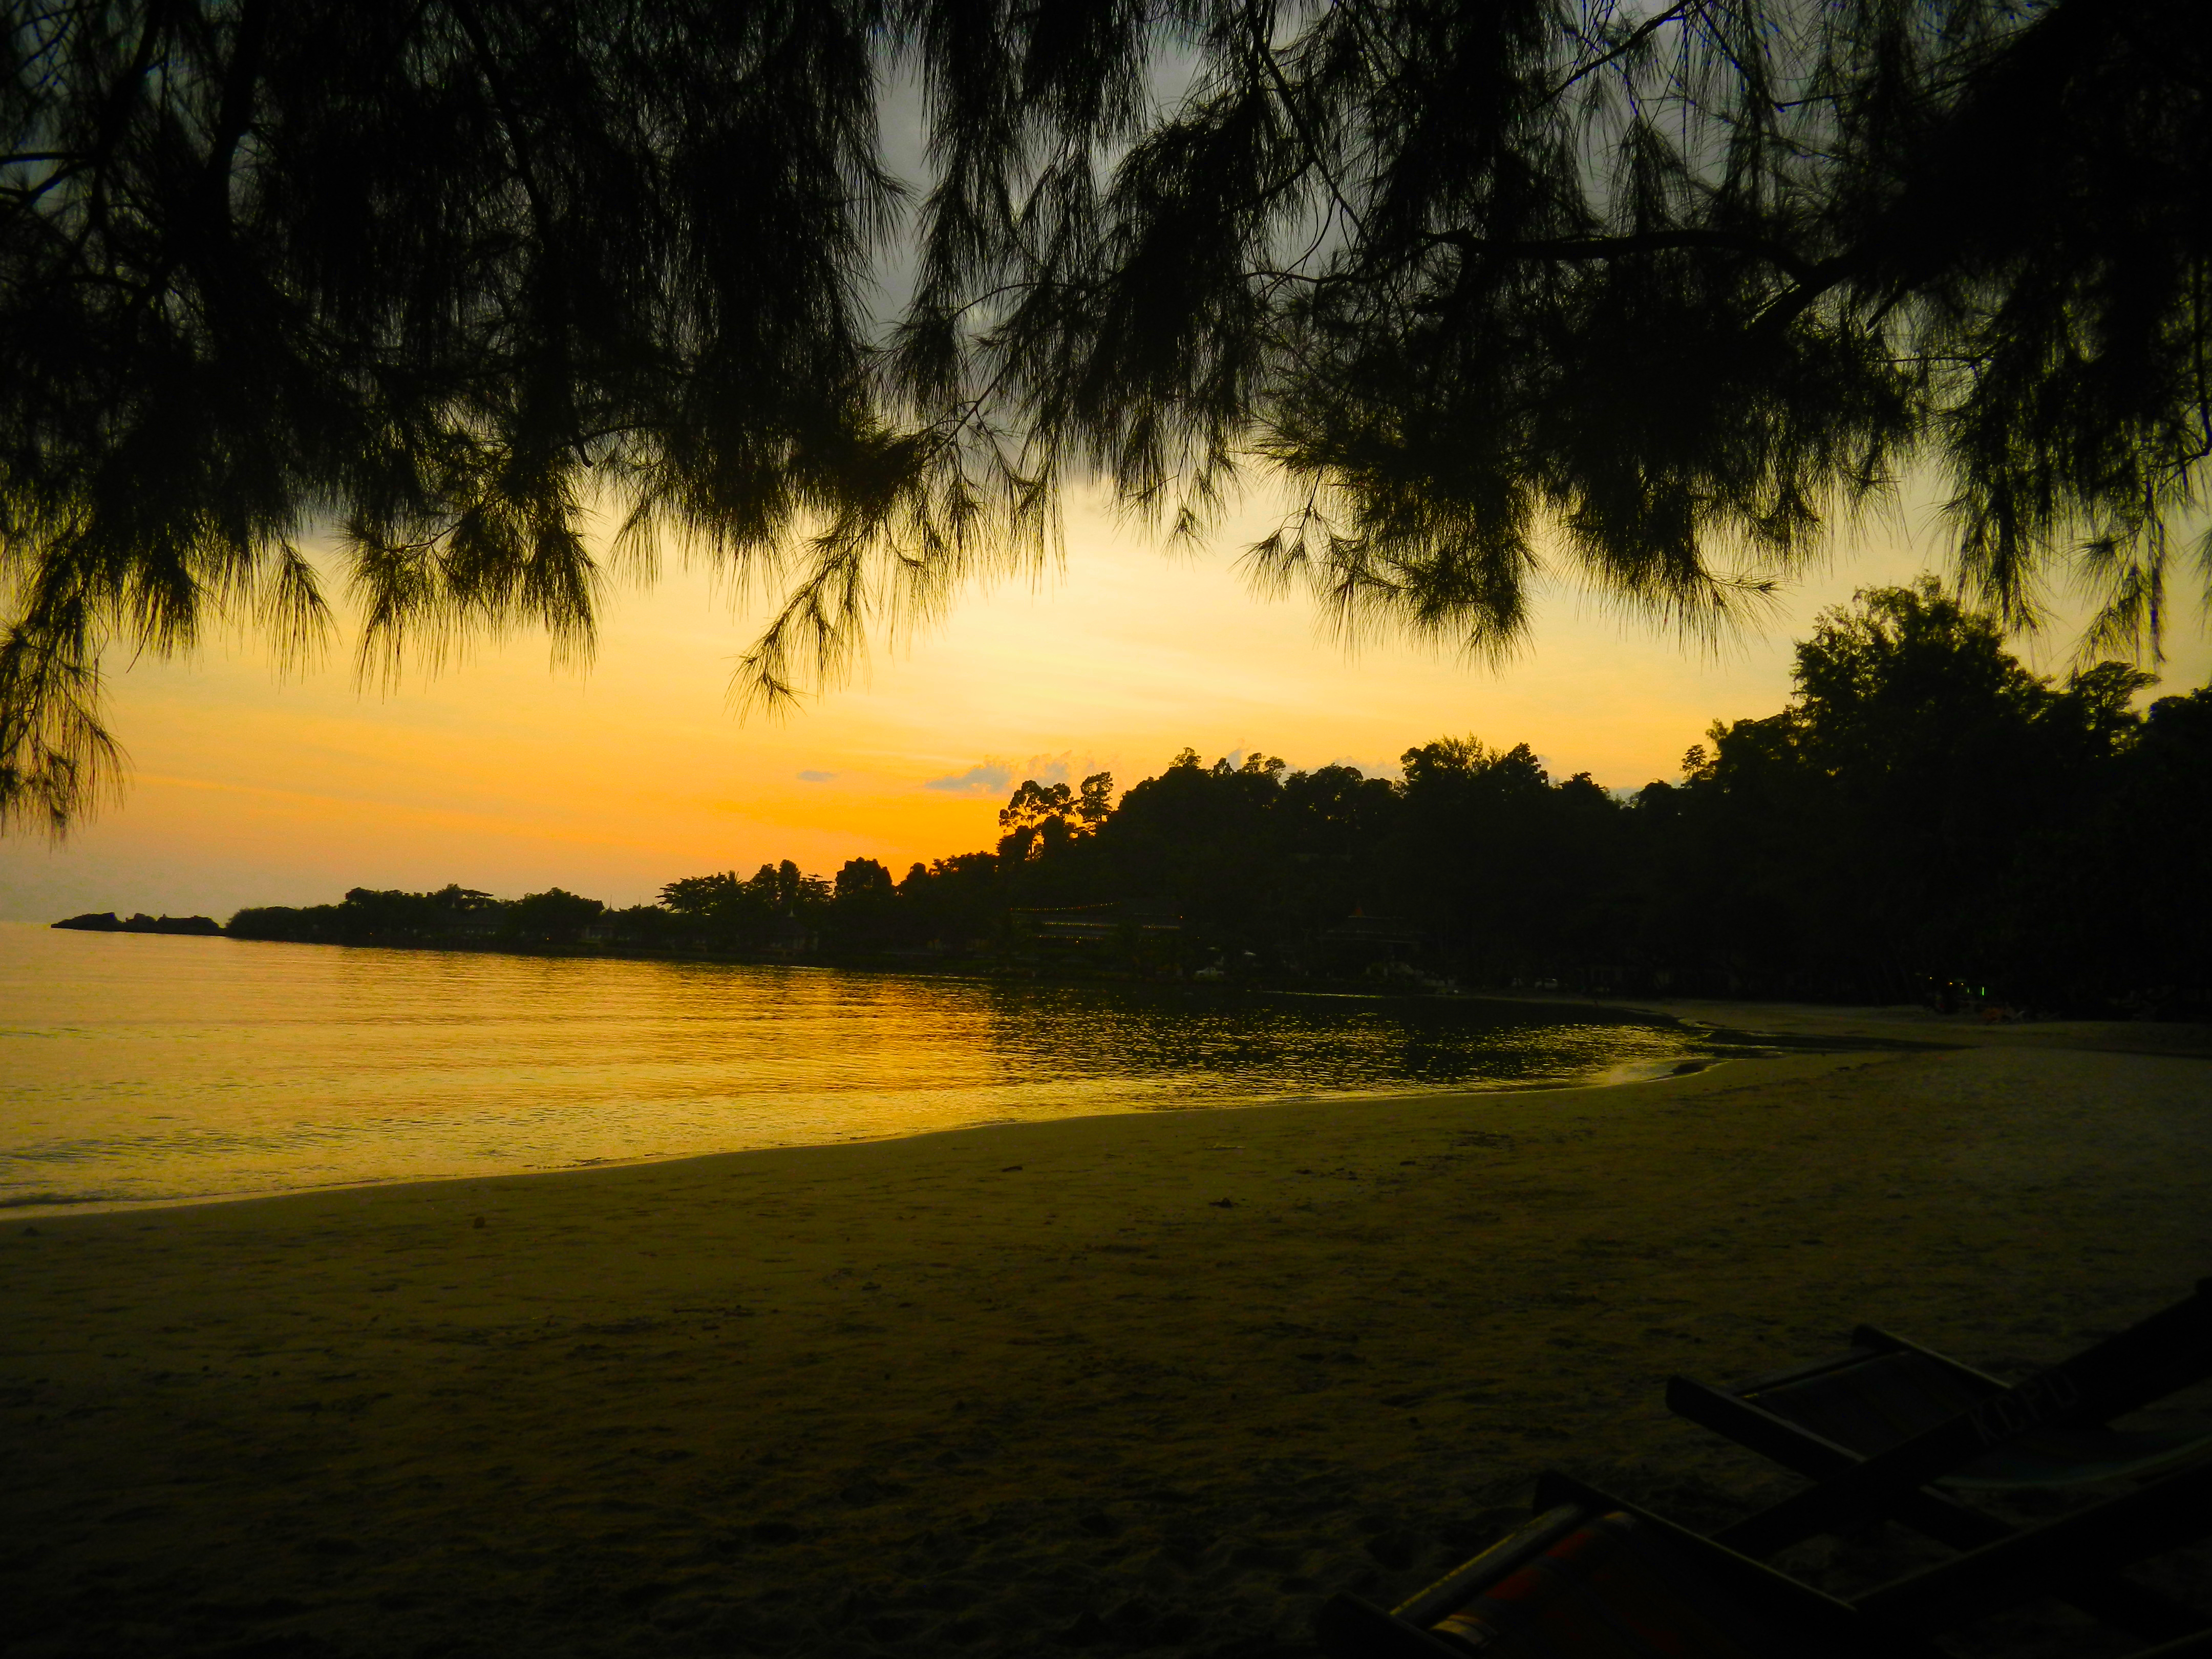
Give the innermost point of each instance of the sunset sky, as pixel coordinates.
(500, 774)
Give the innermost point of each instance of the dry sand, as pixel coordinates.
(1155, 1382)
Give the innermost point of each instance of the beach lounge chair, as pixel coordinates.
(1595, 1577)
(1879, 1428)
(1876, 1427)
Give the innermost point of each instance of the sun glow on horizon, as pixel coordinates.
(249, 787)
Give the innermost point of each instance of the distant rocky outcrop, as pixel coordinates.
(107, 921)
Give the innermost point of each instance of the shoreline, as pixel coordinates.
(35, 1210)
(1139, 1382)
(147, 1124)
(1907, 1025)
(1757, 1027)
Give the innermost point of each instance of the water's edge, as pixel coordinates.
(62, 1209)
(153, 1071)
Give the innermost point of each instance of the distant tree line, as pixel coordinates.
(1927, 818)
(370, 916)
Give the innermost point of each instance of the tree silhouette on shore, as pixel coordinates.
(1926, 818)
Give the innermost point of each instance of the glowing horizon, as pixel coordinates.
(249, 788)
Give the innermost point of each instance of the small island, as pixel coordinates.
(107, 921)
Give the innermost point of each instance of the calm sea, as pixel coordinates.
(139, 1069)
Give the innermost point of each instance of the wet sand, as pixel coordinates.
(1152, 1383)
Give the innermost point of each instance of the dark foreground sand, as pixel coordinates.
(1152, 1383)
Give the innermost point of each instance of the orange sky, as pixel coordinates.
(502, 775)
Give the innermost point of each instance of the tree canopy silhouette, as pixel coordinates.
(1926, 818)
(1654, 290)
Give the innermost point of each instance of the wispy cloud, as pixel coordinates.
(996, 774)
(1049, 768)
(1370, 768)
(986, 780)
(811, 776)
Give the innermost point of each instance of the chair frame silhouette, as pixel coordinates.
(1899, 1619)
(1820, 1625)
(2170, 1350)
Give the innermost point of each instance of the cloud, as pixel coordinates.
(810, 777)
(1370, 768)
(995, 775)
(986, 780)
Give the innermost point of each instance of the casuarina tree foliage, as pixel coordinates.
(1647, 294)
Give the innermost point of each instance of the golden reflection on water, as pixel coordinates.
(140, 1069)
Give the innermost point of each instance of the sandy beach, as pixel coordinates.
(1153, 1382)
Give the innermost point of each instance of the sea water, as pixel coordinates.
(140, 1068)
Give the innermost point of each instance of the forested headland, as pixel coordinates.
(1927, 818)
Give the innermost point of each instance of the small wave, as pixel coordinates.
(1643, 1071)
(52, 1200)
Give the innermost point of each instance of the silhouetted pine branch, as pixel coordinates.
(1649, 298)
